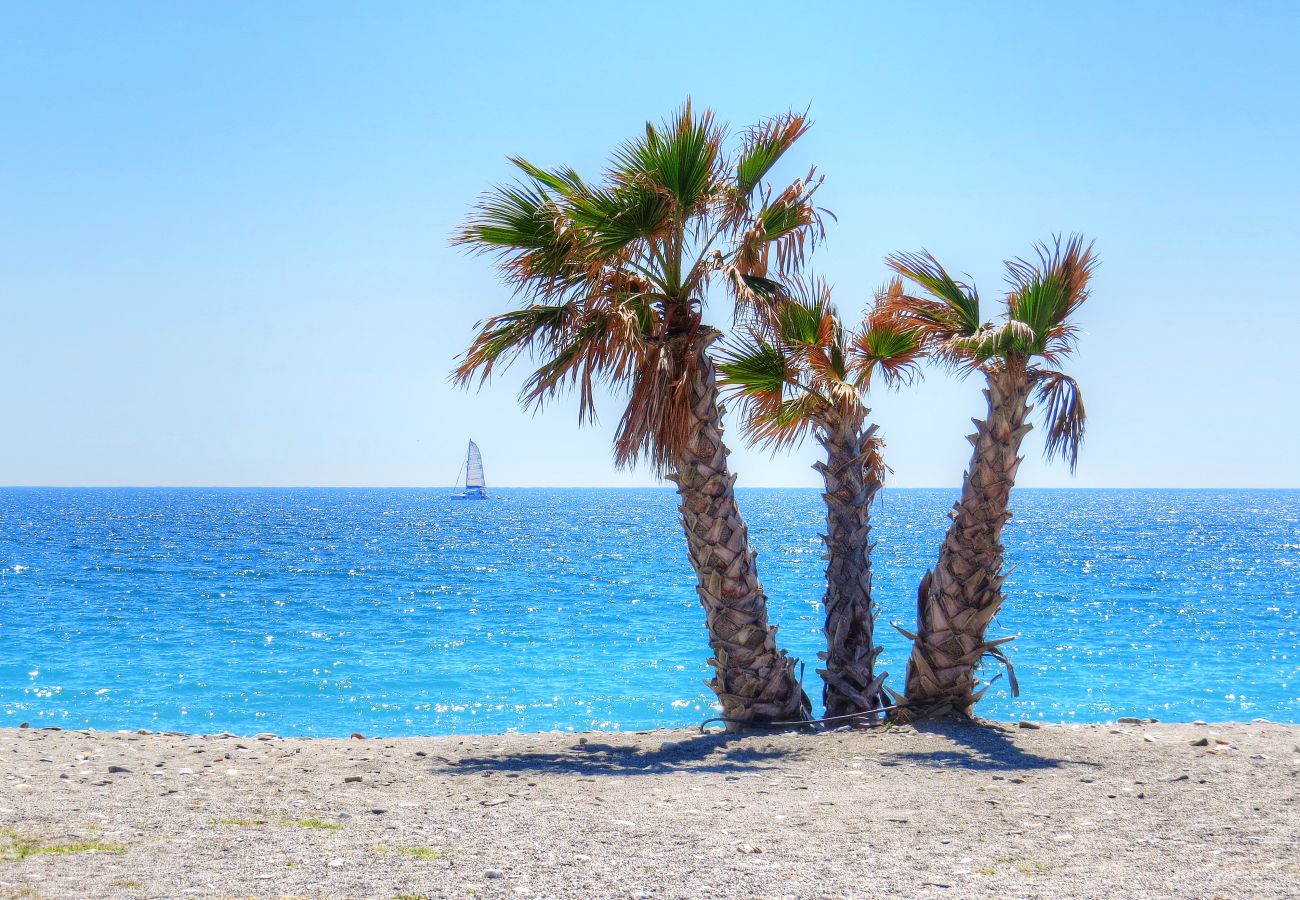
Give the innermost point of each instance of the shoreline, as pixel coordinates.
(949, 810)
(1122, 721)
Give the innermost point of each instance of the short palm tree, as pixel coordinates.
(799, 370)
(615, 276)
(1018, 356)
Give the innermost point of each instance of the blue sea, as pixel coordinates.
(405, 612)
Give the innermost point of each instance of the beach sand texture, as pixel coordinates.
(1126, 810)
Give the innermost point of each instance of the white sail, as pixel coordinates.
(474, 468)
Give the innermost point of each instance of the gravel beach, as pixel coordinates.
(1122, 810)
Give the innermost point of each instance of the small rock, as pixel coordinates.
(747, 848)
(624, 822)
(113, 770)
(1200, 722)
(493, 874)
(185, 771)
(270, 736)
(1087, 779)
(1129, 720)
(144, 731)
(352, 779)
(25, 725)
(669, 746)
(335, 863)
(379, 812)
(1148, 738)
(1200, 742)
(1029, 725)
(495, 801)
(358, 736)
(420, 753)
(582, 740)
(1181, 778)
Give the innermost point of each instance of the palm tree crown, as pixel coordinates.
(798, 368)
(615, 274)
(1034, 332)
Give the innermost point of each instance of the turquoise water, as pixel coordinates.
(408, 612)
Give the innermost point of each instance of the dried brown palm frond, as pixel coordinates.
(1061, 404)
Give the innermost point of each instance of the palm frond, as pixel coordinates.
(1064, 418)
(763, 146)
(564, 181)
(889, 345)
(756, 368)
(504, 337)
(614, 218)
(678, 160)
(1047, 291)
(537, 250)
(788, 225)
(785, 423)
(952, 308)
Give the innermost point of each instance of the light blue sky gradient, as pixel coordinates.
(223, 227)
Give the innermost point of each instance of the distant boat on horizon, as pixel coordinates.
(474, 486)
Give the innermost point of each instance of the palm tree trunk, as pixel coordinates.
(957, 600)
(754, 680)
(852, 482)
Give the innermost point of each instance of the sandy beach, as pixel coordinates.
(1122, 810)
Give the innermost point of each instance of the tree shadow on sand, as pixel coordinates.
(708, 753)
(981, 747)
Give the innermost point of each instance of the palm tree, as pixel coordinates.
(615, 276)
(801, 371)
(1018, 356)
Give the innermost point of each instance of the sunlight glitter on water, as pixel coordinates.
(405, 612)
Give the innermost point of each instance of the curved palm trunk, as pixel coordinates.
(849, 474)
(754, 680)
(957, 600)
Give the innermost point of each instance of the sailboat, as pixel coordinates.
(474, 487)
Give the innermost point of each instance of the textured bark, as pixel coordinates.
(851, 685)
(961, 595)
(754, 680)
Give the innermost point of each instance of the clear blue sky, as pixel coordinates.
(223, 227)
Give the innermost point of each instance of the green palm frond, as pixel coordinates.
(757, 368)
(537, 248)
(887, 345)
(613, 219)
(788, 224)
(564, 181)
(1061, 407)
(679, 159)
(951, 310)
(763, 146)
(1046, 292)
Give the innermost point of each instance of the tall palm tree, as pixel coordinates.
(615, 276)
(799, 370)
(1018, 356)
